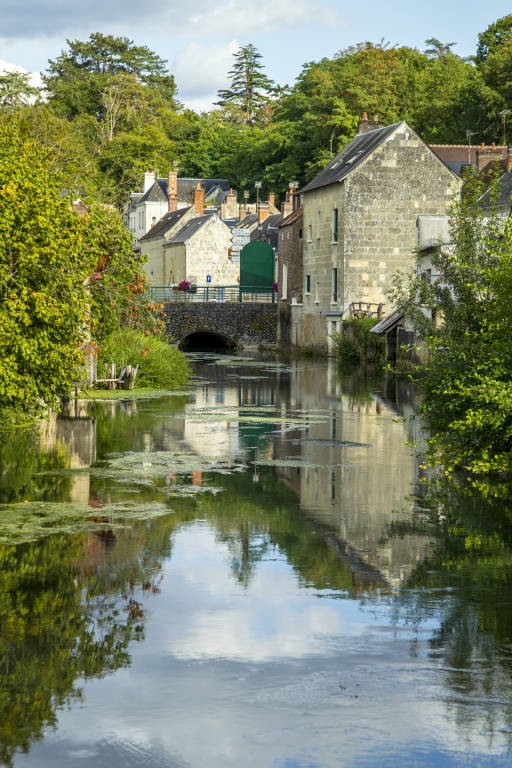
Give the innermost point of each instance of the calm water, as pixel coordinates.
(254, 573)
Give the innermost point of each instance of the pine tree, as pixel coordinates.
(250, 88)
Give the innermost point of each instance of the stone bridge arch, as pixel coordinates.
(236, 325)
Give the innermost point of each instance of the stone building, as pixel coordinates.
(359, 225)
(290, 276)
(167, 194)
(199, 253)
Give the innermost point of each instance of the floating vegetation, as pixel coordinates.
(131, 394)
(294, 463)
(28, 521)
(146, 468)
(330, 443)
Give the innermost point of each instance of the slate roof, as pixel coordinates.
(158, 190)
(352, 155)
(189, 230)
(165, 223)
(489, 198)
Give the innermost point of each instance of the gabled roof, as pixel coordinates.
(165, 223)
(190, 229)
(248, 222)
(352, 155)
(158, 190)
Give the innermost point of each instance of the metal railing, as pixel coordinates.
(165, 294)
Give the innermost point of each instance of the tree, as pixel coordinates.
(436, 49)
(42, 273)
(468, 374)
(495, 36)
(250, 88)
(76, 80)
(16, 90)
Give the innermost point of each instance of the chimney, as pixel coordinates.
(199, 198)
(271, 199)
(263, 214)
(172, 191)
(287, 205)
(366, 125)
(487, 157)
(149, 180)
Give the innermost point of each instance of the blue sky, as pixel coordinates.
(199, 37)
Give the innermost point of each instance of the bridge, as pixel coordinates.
(218, 317)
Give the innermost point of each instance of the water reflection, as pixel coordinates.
(249, 575)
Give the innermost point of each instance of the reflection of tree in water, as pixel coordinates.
(468, 581)
(69, 608)
(23, 468)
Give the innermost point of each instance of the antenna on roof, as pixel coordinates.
(469, 134)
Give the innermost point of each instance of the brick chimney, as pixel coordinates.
(263, 214)
(199, 198)
(366, 125)
(487, 157)
(172, 191)
(287, 204)
(271, 199)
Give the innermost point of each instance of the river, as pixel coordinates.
(256, 572)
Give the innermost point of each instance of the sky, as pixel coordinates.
(198, 38)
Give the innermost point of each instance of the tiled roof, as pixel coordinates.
(352, 155)
(165, 223)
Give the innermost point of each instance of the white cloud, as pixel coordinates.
(200, 71)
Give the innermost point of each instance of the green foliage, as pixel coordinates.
(78, 78)
(250, 88)
(467, 378)
(43, 300)
(16, 90)
(356, 344)
(160, 365)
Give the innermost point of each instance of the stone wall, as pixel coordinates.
(378, 205)
(246, 325)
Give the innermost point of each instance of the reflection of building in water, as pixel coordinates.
(77, 435)
(358, 470)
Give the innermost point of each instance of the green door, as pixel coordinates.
(257, 265)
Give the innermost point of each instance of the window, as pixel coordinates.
(317, 292)
(334, 280)
(335, 221)
(300, 234)
(310, 233)
(307, 288)
(318, 224)
(284, 282)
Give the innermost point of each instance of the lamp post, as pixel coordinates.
(257, 184)
(503, 114)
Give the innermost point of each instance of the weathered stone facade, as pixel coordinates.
(242, 325)
(199, 250)
(360, 231)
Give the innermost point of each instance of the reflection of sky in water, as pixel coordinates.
(265, 676)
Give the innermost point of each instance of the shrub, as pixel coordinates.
(356, 344)
(160, 365)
